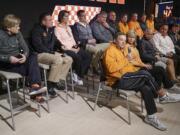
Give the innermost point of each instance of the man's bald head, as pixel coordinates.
(148, 34)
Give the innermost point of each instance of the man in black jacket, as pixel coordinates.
(14, 54)
(148, 52)
(43, 42)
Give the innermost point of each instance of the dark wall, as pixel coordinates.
(176, 9)
(29, 10)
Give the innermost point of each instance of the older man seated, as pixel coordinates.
(15, 57)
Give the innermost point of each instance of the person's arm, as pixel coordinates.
(172, 49)
(111, 63)
(76, 36)
(156, 41)
(23, 45)
(38, 43)
(4, 57)
(136, 60)
(98, 34)
(112, 30)
(145, 55)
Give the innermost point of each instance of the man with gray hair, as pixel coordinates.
(102, 31)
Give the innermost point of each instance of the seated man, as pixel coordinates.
(122, 74)
(43, 42)
(134, 25)
(165, 48)
(143, 22)
(81, 59)
(175, 37)
(148, 52)
(123, 25)
(14, 54)
(111, 20)
(102, 31)
(83, 34)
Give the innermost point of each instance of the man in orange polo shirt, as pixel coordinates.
(134, 25)
(121, 74)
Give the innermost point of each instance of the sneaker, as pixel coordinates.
(79, 82)
(52, 92)
(37, 91)
(76, 79)
(169, 98)
(175, 88)
(154, 121)
(60, 85)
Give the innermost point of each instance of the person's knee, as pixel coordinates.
(57, 60)
(68, 59)
(170, 61)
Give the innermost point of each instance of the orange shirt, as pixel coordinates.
(116, 63)
(136, 60)
(123, 27)
(134, 25)
(150, 24)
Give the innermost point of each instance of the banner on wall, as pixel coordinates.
(164, 8)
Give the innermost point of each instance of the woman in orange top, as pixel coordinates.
(132, 51)
(157, 72)
(150, 22)
(123, 26)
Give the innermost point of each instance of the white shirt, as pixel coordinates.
(163, 44)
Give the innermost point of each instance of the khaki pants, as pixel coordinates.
(59, 66)
(97, 52)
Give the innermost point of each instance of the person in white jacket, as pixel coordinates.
(166, 49)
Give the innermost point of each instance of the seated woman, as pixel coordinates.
(81, 59)
(15, 57)
(158, 72)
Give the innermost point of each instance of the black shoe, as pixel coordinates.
(60, 85)
(52, 92)
(96, 71)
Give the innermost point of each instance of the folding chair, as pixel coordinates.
(127, 94)
(45, 68)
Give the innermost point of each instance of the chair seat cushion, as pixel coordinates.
(10, 75)
(44, 66)
(127, 92)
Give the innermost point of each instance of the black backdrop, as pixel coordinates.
(29, 10)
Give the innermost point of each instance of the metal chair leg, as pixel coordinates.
(24, 80)
(66, 90)
(47, 94)
(99, 89)
(72, 83)
(39, 109)
(128, 108)
(142, 108)
(10, 103)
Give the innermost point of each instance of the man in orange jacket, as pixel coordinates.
(121, 74)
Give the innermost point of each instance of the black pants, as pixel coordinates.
(30, 69)
(81, 61)
(161, 77)
(143, 82)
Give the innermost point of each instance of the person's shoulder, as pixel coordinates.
(37, 28)
(2, 32)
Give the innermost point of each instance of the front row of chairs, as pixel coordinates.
(102, 86)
